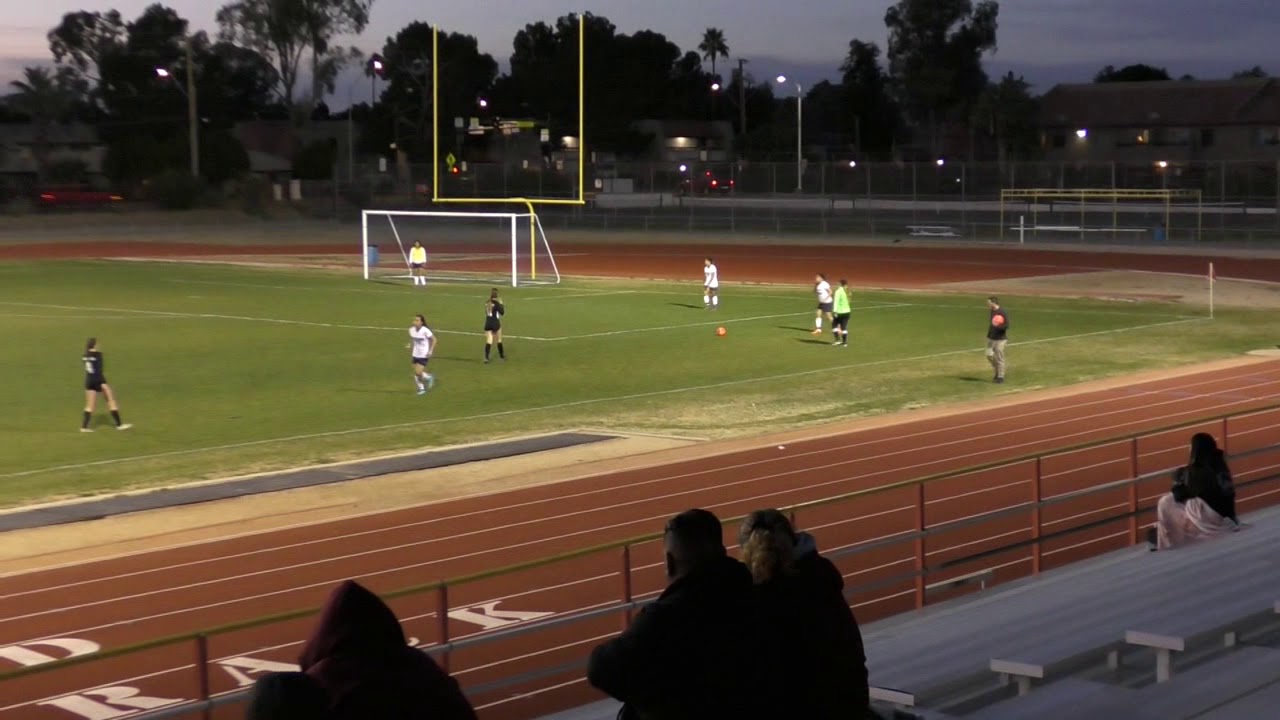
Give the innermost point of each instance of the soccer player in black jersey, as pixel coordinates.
(95, 381)
(493, 312)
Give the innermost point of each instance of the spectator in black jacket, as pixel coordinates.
(287, 696)
(689, 653)
(1202, 502)
(997, 337)
(823, 676)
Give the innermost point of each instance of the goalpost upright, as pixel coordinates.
(529, 203)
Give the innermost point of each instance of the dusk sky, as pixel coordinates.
(1048, 41)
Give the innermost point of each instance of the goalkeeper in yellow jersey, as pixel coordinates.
(841, 310)
(418, 263)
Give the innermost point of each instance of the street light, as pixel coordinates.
(193, 121)
(482, 103)
(941, 162)
(715, 87)
(781, 80)
(377, 69)
(1082, 133)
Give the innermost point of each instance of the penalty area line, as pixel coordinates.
(572, 404)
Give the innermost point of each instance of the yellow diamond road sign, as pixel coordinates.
(450, 160)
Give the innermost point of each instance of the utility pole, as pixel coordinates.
(742, 97)
(193, 119)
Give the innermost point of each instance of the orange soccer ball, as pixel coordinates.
(721, 331)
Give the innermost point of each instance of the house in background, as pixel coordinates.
(686, 141)
(63, 143)
(272, 144)
(1175, 122)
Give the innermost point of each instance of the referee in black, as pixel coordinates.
(493, 312)
(95, 381)
(997, 337)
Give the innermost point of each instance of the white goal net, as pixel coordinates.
(467, 246)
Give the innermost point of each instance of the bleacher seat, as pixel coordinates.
(602, 710)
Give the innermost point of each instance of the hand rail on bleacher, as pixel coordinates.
(445, 645)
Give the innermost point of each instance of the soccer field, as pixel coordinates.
(227, 369)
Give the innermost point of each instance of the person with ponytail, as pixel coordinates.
(95, 383)
(800, 597)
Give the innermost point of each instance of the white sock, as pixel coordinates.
(817, 323)
(715, 300)
(706, 300)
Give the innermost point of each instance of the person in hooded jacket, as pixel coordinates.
(688, 654)
(358, 653)
(287, 696)
(1202, 502)
(800, 596)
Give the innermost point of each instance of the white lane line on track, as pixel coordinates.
(576, 403)
(789, 458)
(516, 546)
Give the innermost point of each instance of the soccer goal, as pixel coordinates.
(1159, 215)
(464, 246)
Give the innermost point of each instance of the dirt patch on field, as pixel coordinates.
(1135, 286)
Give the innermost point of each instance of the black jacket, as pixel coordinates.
(689, 654)
(822, 673)
(1211, 482)
(1001, 331)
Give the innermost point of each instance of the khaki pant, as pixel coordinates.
(995, 355)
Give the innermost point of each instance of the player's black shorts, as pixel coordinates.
(841, 321)
(94, 383)
(825, 307)
(420, 361)
(417, 266)
(492, 325)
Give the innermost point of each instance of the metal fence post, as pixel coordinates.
(1133, 491)
(920, 546)
(202, 674)
(627, 594)
(1037, 494)
(442, 615)
(1226, 435)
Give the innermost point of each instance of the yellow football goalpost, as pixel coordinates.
(529, 203)
(1099, 200)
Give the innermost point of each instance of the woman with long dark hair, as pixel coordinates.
(494, 309)
(95, 382)
(1202, 502)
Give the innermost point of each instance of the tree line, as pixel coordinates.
(928, 81)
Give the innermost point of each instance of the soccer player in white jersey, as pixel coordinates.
(418, 263)
(825, 300)
(422, 344)
(710, 284)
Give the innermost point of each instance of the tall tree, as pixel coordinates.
(1254, 72)
(1010, 114)
(713, 46)
(870, 105)
(935, 54)
(1131, 73)
(43, 97)
(284, 30)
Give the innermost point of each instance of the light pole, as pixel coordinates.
(782, 79)
(193, 122)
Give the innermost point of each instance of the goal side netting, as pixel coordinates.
(491, 247)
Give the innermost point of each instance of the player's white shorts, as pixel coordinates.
(712, 286)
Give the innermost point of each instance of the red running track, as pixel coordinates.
(115, 602)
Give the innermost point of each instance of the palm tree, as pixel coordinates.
(44, 99)
(713, 46)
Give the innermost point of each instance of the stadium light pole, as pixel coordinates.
(193, 122)
(782, 79)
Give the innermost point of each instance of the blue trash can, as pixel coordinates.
(1158, 233)
(373, 256)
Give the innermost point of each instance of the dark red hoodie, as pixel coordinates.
(359, 654)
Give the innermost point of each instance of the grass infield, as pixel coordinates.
(228, 370)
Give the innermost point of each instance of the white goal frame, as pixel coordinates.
(516, 221)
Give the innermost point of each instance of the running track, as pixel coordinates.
(135, 598)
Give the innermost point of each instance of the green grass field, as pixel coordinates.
(227, 370)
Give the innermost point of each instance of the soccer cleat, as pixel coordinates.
(86, 429)
(422, 391)
(999, 381)
(837, 342)
(431, 381)
(125, 426)
(816, 332)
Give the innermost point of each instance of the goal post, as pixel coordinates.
(507, 247)
(1175, 214)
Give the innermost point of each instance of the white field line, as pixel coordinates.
(1229, 376)
(723, 321)
(580, 295)
(248, 318)
(571, 404)
(276, 647)
(94, 318)
(826, 469)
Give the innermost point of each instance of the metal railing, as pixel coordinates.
(1047, 513)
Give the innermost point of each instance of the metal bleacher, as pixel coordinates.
(1100, 640)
